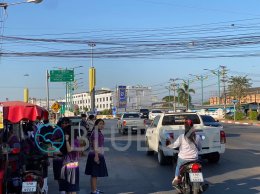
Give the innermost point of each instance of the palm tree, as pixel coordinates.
(184, 94)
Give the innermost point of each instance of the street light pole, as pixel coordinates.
(92, 79)
(5, 5)
(47, 88)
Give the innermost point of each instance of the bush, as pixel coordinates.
(106, 112)
(252, 115)
(239, 115)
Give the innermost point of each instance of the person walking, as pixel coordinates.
(58, 157)
(69, 179)
(96, 164)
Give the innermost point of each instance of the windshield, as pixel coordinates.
(207, 118)
(144, 110)
(156, 111)
(133, 115)
(179, 119)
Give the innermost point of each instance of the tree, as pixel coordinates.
(184, 94)
(169, 100)
(238, 86)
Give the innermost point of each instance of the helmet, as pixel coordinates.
(188, 125)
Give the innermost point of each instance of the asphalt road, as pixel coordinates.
(132, 172)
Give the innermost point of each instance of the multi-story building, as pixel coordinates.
(103, 100)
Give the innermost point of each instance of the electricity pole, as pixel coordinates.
(224, 80)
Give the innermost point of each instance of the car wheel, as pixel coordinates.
(213, 157)
(149, 152)
(161, 158)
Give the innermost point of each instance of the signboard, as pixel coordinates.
(122, 97)
(55, 107)
(1, 116)
(61, 75)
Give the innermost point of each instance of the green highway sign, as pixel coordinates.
(61, 75)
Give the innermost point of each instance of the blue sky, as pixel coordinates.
(104, 20)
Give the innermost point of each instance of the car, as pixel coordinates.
(144, 113)
(131, 121)
(210, 121)
(167, 127)
(154, 113)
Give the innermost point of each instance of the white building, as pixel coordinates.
(103, 100)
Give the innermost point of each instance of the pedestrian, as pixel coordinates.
(189, 145)
(91, 124)
(83, 122)
(70, 166)
(96, 164)
(58, 158)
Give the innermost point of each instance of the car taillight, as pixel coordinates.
(222, 137)
(195, 167)
(124, 123)
(29, 178)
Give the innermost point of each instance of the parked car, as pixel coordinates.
(154, 113)
(131, 122)
(144, 113)
(210, 121)
(167, 127)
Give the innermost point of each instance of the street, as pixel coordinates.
(132, 171)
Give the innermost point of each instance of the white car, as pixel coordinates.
(154, 113)
(166, 128)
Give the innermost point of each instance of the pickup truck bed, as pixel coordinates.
(131, 122)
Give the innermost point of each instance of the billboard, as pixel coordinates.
(122, 97)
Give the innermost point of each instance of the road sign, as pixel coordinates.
(55, 107)
(61, 75)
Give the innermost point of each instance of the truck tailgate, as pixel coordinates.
(210, 137)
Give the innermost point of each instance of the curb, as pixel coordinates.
(241, 123)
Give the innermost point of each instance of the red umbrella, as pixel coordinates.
(15, 111)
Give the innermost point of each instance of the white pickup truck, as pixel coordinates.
(131, 122)
(166, 128)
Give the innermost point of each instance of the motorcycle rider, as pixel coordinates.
(189, 145)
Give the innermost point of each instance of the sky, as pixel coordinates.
(138, 42)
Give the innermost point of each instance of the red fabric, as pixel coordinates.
(15, 111)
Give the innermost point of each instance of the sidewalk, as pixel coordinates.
(243, 122)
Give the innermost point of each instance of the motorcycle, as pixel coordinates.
(191, 179)
(33, 176)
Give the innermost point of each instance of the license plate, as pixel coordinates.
(196, 177)
(29, 187)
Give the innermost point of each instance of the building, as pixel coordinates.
(253, 96)
(103, 100)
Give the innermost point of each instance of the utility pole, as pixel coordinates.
(174, 85)
(47, 89)
(224, 80)
(169, 97)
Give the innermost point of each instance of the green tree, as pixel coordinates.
(184, 95)
(168, 99)
(238, 86)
